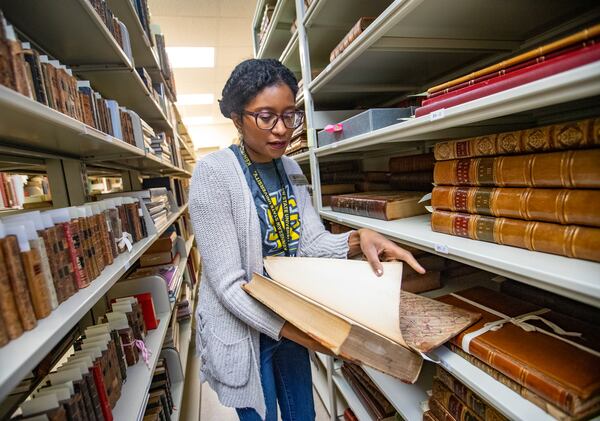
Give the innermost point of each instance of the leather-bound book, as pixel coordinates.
(567, 169)
(105, 239)
(78, 242)
(446, 406)
(47, 407)
(73, 374)
(363, 378)
(85, 246)
(563, 206)
(577, 134)
(377, 409)
(565, 240)
(4, 339)
(547, 299)
(417, 283)
(79, 279)
(38, 287)
(337, 188)
(561, 368)
(412, 163)
(96, 244)
(134, 217)
(87, 108)
(18, 281)
(567, 61)
(417, 181)
(17, 64)
(349, 415)
(380, 205)
(8, 304)
(32, 58)
(480, 407)
(429, 416)
(38, 245)
(356, 30)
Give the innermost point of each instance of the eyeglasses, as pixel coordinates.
(267, 120)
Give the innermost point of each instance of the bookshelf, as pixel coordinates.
(278, 33)
(33, 134)
(408, 48)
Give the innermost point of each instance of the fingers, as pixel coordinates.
(406, 256)
(370, 252)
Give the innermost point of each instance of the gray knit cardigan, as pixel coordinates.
(228, 235)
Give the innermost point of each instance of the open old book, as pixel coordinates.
(359, 316)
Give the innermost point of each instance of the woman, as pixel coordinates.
(246, 203)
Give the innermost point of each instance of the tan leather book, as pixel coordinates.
(571, 135)
(87, 109)
(8, 304)
(568, 169)
(380, 205)
(565, 240)
(18, 281)
(581, 36)
(480, 407)
(564, 370)
(354, 33)
(412, 163)
(105, 239)
(562, 206)
(357, 315)
(38, 244)
(38, 288)
(74, 235)
(17, 63)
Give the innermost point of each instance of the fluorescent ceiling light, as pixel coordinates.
(198, 121)
(191, 57)
(195, 99)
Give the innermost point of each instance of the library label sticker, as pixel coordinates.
(437, 114)
(441, 248)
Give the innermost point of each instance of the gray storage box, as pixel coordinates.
(365, 122)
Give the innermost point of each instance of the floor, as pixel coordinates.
(212, 410)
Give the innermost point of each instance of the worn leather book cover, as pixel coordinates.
(49, 239)
(562, 206)
(18, 66)
(445, 405)
(412, 163)
(75, 255)
(18, 281)
(380, 205)
(39, 245)
(548, 299)
(567, 169)
(38, 287)
(578, 37)
(96, 244)
(480, 407)
(363, 379)
(338, 188)
(88, 110)
(562, 368)
(562, 63)
(565, 240)
(577, 134)
(379, 410)
(356, 30)
(135, 219)
(429, 416)
(82, 242)
(8, 304)
(443, 414)
(417, 283)
(7, 77)
(124, 220)
(105, 239)
(416, 181)
(32, 58)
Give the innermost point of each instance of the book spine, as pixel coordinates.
(416, 181)
(453, 405)
(369, 208)
(86, 106)
(565, 240)
(401, 164)
(8, 304)
(53, 262)
(476, 404)
(33, 60)
(440, 413)
(80, 387)
(38, 288)
(93, 389)
(105, 239)
(563, 206)
(571, 135)
(102, 395)
(93, 252)
(567, 169)
(70, 251)
(18, 66)
(18, 282)
(354, 33)
(532, 73)
(111, 234)
(74, 237)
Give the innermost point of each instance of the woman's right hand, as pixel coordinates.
(292, 333)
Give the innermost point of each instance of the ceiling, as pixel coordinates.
(222, 24)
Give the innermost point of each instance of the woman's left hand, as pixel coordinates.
(377, 248)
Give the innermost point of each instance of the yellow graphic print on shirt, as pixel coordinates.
(272, 240)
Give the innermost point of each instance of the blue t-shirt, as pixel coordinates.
(271, 243)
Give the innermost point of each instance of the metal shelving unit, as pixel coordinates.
(278, 33)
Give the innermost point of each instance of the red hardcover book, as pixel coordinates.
(102, 395)
(520, 77)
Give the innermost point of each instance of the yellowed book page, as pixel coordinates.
(347, 287)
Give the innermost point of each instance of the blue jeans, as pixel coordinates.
(285, 378)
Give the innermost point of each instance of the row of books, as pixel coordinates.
(177, 186)
(115, 26)
(265, 23)
(46, 257)
(358, 28)
(88, 384)
(510, 188)
(18, 191)
(564, 54)
(158, 204)
(298, 142)
(160, 404)
(165, 68)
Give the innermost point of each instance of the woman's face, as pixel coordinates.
(266, 145)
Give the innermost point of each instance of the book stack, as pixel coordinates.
(551, 359)
(88, 383)
(298, 142)
(452, 400)
(358, 28)
(265, 22)
(115, 26)
(160, 404)
(510, 188)
(158, 204)
(559, 56)
(161, 146)
(371, 397)
(46, 257)
(385, 205)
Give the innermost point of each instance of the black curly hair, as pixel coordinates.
(249, 78)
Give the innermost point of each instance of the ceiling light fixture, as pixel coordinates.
(191, 57)
(198, 121)
(195, 99)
